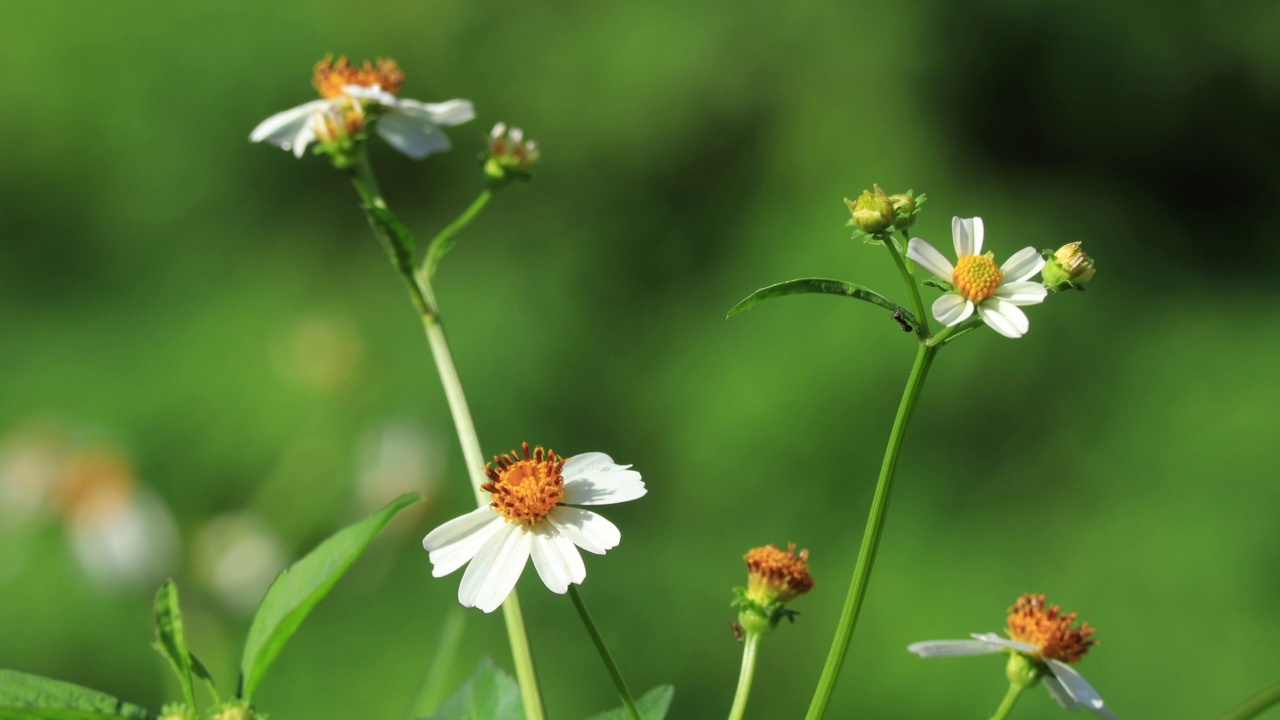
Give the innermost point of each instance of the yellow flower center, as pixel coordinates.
(977, 277)
(525, 489)
(777, 575)
(331, 77)
(1030, 621)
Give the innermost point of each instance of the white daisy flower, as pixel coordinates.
(1044, 636)
(995, 292)
(355, 97)
(530, 516)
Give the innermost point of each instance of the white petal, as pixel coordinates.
(966, 234)
(450, 112)
(1022, 265)
(586, 529)
(371, 92)
(594, 479)
(951, 309)
(1057, 692)
(953, 648)
(454, 543)
(556, 559)
(1004, 317)
(1021, 293)
(930, 259)
(1076, 686)
(494, 570)
(414, 137)
(283, 128)
(1005, 642)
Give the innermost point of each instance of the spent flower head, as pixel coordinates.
(774, 578)
(977, 283)
(530, 516)
(1043, 643)
(509, 155)
(1069, 268)
(355, 99)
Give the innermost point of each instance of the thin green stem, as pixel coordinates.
(871, 536)
(443, 240)
(922, 329)
(1006, 705)
(1255, 704)
(436, 685)
(424, 301)
(594, 632)
(749, 650)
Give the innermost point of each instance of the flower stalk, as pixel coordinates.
(605, 656)
(1256, 704)
(1006, 705)
(749, 649)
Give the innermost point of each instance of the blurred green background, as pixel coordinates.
(196, 323)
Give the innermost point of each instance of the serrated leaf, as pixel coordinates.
(23, 695)
(489, 694)
(396, 238)
(297, 590)
(171, 639)
(820, 286)
(651, 706)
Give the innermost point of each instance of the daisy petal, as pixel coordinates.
(1076, 686)
(951, 309)
(414, 137)
(454, 543)
(494, 570)
(953, 648)
(966, 234)
(371, 92)
(1057, 692)
(282, 128)
(930, 259)
(1004, 317)
(1005, 642)
(1022, 265)
(1021, 293)
(594, 479)
(586, 529)
(556, 559)
(450, 112)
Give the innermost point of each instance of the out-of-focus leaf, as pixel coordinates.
(820, 286)
(396, 237)
(296, 591)
(171, 639)
(651, 706)
(489, 694)
(23, 695)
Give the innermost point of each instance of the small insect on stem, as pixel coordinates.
(737, 630)
(902, 320)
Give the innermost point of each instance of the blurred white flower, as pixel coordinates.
(354, 97)
(1045, 637)
(978, 283)
(530, 516)
(237, 555)
(394, 459)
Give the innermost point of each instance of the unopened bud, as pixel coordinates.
(1070, 267)
(904, 210)
(872, 212)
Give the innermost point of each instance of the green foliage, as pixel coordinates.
(396, 238)
(31, 696)
(489, 694)
(652, 706)
(820, 286)
(171, 641)
(297, 590)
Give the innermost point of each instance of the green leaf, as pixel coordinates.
(942, 285)
(652, 706)
(396, 237)
(824, 287)
(489, 694)
(23, 695)
(171, 640)
(296, 591)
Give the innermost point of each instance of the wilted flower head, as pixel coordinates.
(774, 578)
(509, 155)
(355, 99)
(1043, 642)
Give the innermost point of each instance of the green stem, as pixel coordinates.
(424, 301)
(594, 632)
(436, 685)
(1255, 704)
(749, 650)
(871, 536)
(922, 325)
(1007, 704)
(443, 240)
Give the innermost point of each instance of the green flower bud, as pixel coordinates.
(237, 710)
(904, 210)
(176, 711)
(1069, 268)
(873, 212)
(1023, 671)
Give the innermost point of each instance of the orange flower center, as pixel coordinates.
(977, 277)
(775, 575)
(525, 489)
(1030, 621)
(330, 77)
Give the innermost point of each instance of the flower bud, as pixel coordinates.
(872, 212)
(237, 710)
(904, 210)
(176, 711)
(509, 155)
(1070, 267)
(774, 578)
